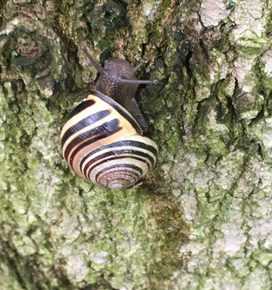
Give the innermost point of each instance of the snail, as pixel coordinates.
(103, 139)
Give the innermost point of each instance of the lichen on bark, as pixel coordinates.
(202, 218)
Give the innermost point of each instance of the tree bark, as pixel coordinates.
(202, 218)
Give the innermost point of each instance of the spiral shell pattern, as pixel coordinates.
(103, 143)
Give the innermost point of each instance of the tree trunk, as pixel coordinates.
(202, 218)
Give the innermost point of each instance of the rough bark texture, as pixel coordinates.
(203, 218)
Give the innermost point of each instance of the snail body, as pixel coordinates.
(103, 140)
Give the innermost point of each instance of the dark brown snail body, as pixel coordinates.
(103, 139)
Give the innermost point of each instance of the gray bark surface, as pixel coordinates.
(202, 219)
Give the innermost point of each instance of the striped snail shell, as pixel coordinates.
(102, 141)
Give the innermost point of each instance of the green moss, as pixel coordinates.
(252, 46)
(264, 258)
(9, 280)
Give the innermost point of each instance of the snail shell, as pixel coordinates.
(103, 143)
